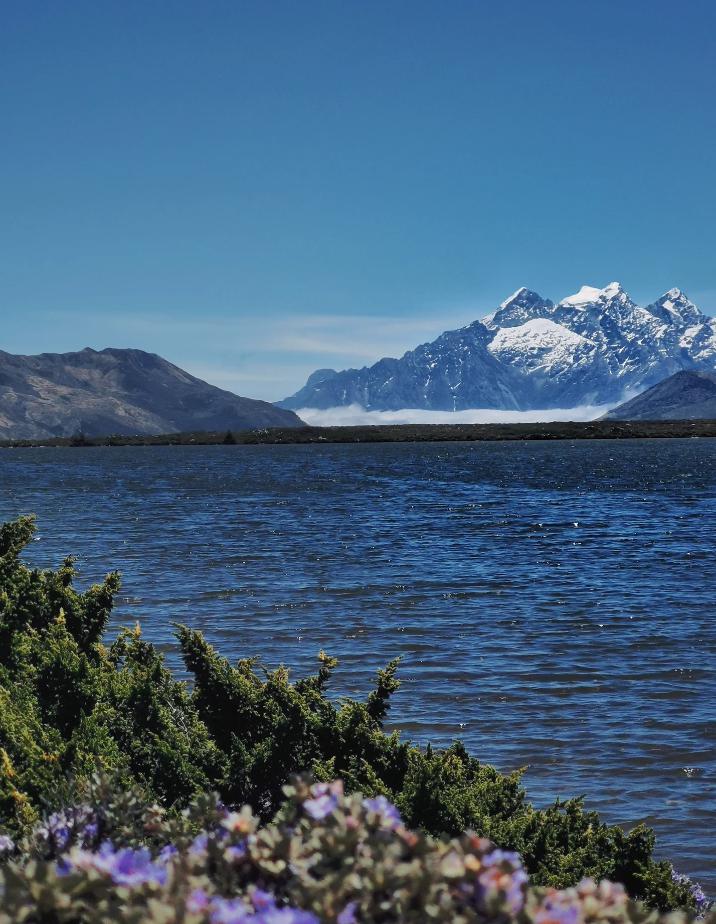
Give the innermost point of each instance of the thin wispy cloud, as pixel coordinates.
(259, 355)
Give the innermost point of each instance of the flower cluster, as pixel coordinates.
(259, 907)
(386, 811)
(703, 903)
(324, 800)
(125, 867)
(589, 899)
(328, 858)
(78, 825)
(501, 872)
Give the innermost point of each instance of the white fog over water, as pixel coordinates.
(355, 415)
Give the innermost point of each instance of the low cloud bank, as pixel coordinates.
(355, 415)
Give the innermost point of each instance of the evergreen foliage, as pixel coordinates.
(69, 705)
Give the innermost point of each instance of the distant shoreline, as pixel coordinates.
(398, 433)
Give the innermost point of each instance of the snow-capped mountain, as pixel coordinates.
(594, 347)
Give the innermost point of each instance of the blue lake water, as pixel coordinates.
(553, 602)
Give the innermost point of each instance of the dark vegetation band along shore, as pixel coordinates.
(101, 748)
(399, 433)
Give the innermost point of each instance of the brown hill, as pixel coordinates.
(117, 391)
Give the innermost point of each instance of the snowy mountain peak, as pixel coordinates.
(589, 295)
(523, 305)
(613, 290)
(674, 298)
(591, 348)
(522, 296)
(674, 307)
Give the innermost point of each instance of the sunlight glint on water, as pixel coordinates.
(553, 601)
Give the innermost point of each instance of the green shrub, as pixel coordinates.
(70, 704)
(326, 858)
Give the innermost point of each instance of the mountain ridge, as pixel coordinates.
(686, 395)
(118, 391)
(594, 347)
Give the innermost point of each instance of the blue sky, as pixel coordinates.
(258, 189)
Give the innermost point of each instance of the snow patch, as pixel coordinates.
(687, 338)
(540, 345)
(585, 296)
(537, 333)
(613, 289)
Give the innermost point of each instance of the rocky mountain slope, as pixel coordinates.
(594, 347)
(118, 392)
(683, 396)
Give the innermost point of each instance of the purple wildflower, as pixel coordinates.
(387, 811)
(321, 807)
(703, 904)
(229, 911)
(264, 911)
(57, 831)
(235, 852)
(90, 832)
(64, 867)
(285, 916)
(496, 857)
(167, 853)
(503, 874)
(348, 915)
(134, 867)
(556, 912)
(200, 844)
(197, 902)
(325, 800)
(262, 900)
(61, 829)
(125, 867)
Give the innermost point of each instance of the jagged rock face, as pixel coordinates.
(456, 365)
(118, 392)
(593, 347)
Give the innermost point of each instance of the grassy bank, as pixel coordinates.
(400, 433)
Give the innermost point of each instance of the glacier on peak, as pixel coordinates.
(613, 290)
(585, 296)
(589, 295)
(538, 331)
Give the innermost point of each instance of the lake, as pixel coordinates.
(552, 601)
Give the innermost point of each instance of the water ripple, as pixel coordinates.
(552, 601)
